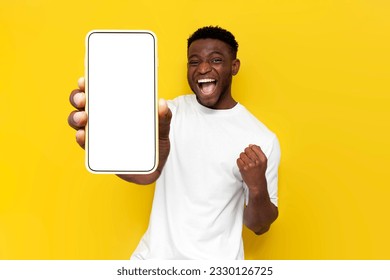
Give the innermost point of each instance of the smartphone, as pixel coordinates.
(121, 95)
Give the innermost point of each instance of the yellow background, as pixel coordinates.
(316, 72)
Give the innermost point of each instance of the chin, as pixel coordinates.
(207, 101)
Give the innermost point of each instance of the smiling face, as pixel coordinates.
(211, 66)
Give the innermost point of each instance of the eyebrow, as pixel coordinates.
(212, 53)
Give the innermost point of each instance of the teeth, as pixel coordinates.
(206, 81)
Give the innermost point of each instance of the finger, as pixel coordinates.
(259, 152)
(240, 164)
(163, 109)
(81, 83)
(80, 137)
(251, 154)
(246, 160)
(164, 118)
(77, 99)
(77, 119)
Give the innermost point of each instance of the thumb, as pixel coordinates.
(81, 83)
(162, 108)
(164, 118)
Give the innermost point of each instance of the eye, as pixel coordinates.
(216, 60)
(193, 62)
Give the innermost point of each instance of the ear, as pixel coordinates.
(235, 66)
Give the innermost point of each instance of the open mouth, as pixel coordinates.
(207, 86)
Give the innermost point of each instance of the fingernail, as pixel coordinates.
(162, 102)
(77, 98)
(77, 117)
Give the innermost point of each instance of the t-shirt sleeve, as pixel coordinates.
(272, 171)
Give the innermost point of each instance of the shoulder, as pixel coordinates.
(255, 129)
(252, 123)
(182, 100)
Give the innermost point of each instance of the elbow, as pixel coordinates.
(260, 228)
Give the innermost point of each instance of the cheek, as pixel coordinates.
(224, 70)
(189, 72)
(225, 75)
(190, 81)
(189, 76)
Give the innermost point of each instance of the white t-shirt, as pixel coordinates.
(199, 198)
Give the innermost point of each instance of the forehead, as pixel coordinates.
(204, 47)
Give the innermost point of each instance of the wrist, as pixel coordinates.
(258, 185)
(258, 190)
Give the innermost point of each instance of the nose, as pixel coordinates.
(204, 67)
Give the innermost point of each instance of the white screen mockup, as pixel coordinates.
(121, 90)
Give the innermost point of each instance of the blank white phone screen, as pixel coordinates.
(121, 134)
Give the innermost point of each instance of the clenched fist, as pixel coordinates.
(252, 164)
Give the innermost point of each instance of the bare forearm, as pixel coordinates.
(260, 212)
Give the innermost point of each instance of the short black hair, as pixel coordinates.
(214, 32)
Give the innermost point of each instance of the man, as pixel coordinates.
(218, 164)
